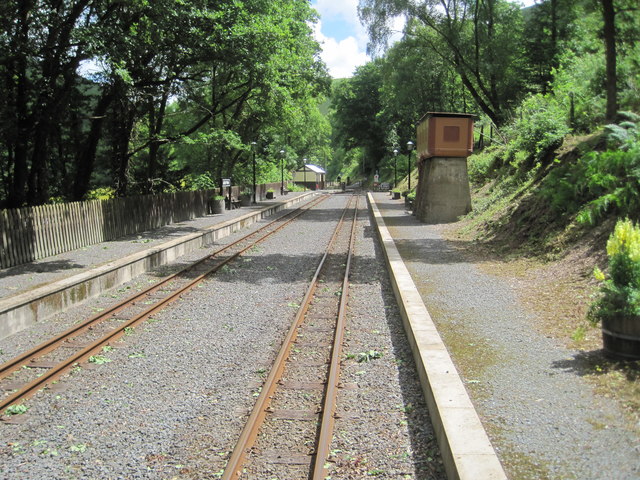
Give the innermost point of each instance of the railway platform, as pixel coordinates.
(34, 291)
(530, 390)
(466, 450)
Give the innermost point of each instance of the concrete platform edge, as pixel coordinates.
(22, 310)
(466, 450)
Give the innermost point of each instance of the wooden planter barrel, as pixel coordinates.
(216, 206)
(621, 337)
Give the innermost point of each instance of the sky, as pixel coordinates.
(343, 39)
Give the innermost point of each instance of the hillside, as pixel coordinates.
(549, 254)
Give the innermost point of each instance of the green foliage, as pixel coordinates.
(481, 43)
(202, 181)
(578, 81)
(102, 193)
(620, 293)
(178, 88)
(364, 357)
(626, 134)
(483, 163)
(99, 359)
(540, 127)
(16, 409)
(356, 105)
(19, 409)
(600, 182)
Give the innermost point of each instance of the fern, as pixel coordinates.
(630, 116)
(625, 134)
(598, 184)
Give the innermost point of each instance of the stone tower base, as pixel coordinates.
(443, 192)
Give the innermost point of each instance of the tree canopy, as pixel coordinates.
(123, 95)
(117, 98)
(534, 74)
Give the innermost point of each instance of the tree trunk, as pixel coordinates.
(609, 17)
(38, 175)
(123, 119)
(86, 157)
(121, 152)
(18, 192)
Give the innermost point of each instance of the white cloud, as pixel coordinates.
(343, 54)
(347, 9)
(397, 29)
(342, 57)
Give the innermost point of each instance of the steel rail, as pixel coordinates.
(247, 438)
(17, 362)
(331, 392)
(62, 367)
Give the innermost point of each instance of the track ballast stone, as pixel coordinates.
(173, 398)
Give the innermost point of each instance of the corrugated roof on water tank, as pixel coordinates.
(442, 134)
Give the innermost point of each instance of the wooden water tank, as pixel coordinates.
(445, 135)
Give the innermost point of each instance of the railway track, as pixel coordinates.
(289, 432)
(26, 374)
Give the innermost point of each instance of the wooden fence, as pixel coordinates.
(31, 233)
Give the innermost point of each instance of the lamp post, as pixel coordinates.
(281, 172)
(304, 169)
(253, 147)
(409, 147)
(395, 168)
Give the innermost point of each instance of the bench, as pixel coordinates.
(381, 187)
(232, 204)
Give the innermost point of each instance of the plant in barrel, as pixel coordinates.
(216, 204)
(618, 308)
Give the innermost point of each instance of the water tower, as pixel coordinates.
(445, 140)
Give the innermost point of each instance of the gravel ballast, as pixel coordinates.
(173, 397)
(543, 419)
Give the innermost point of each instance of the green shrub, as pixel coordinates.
(103, 193)
(201, 181)
(620, 293)
(541, 126)
(612, 182)
(483, 163)
(600, 182)
(580, 79)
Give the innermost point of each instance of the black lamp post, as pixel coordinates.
(281, 172)
(253, 147)
(409, 147)
(304, 169)
(395, 168)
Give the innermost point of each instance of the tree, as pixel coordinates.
(226, 70)
(356, 106)
(479, 39)
(45, 43)
(548, 25)
(609, 17)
